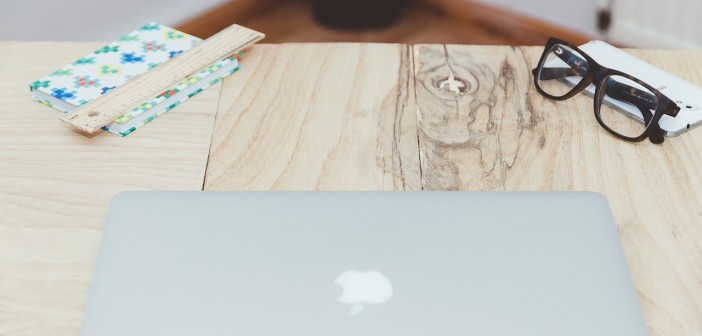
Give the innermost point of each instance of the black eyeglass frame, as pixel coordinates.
(597, 74)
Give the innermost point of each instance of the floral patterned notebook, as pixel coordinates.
(132, 55)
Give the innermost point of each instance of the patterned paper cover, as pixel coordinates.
(103, 70)
(147, 106)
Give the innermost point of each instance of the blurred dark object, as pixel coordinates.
(358, 14)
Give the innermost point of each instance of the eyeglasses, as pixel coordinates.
(624, 105)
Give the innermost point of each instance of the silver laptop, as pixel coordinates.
(361, 263)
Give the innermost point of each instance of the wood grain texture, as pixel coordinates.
(55, 186)
(502, 135)
(317, 117)
(332, 117)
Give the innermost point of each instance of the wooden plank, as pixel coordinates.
(502, 135)
(338, 117)
(317, 117)
(55, 186)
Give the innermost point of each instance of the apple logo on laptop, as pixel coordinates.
(361, 288)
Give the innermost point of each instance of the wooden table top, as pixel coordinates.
(338, 117)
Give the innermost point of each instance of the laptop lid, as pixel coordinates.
(361, 263)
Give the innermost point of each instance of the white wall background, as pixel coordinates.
(90, 20)
(672, 24)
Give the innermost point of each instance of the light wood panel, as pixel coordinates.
(502, 135)
(338, 116)
(55, 186)
(317, 117)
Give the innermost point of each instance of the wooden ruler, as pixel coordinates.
(100, 112)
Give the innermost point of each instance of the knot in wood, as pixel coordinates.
(453, 84)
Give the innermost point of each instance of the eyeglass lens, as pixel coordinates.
(563, 69)
(627, 107)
